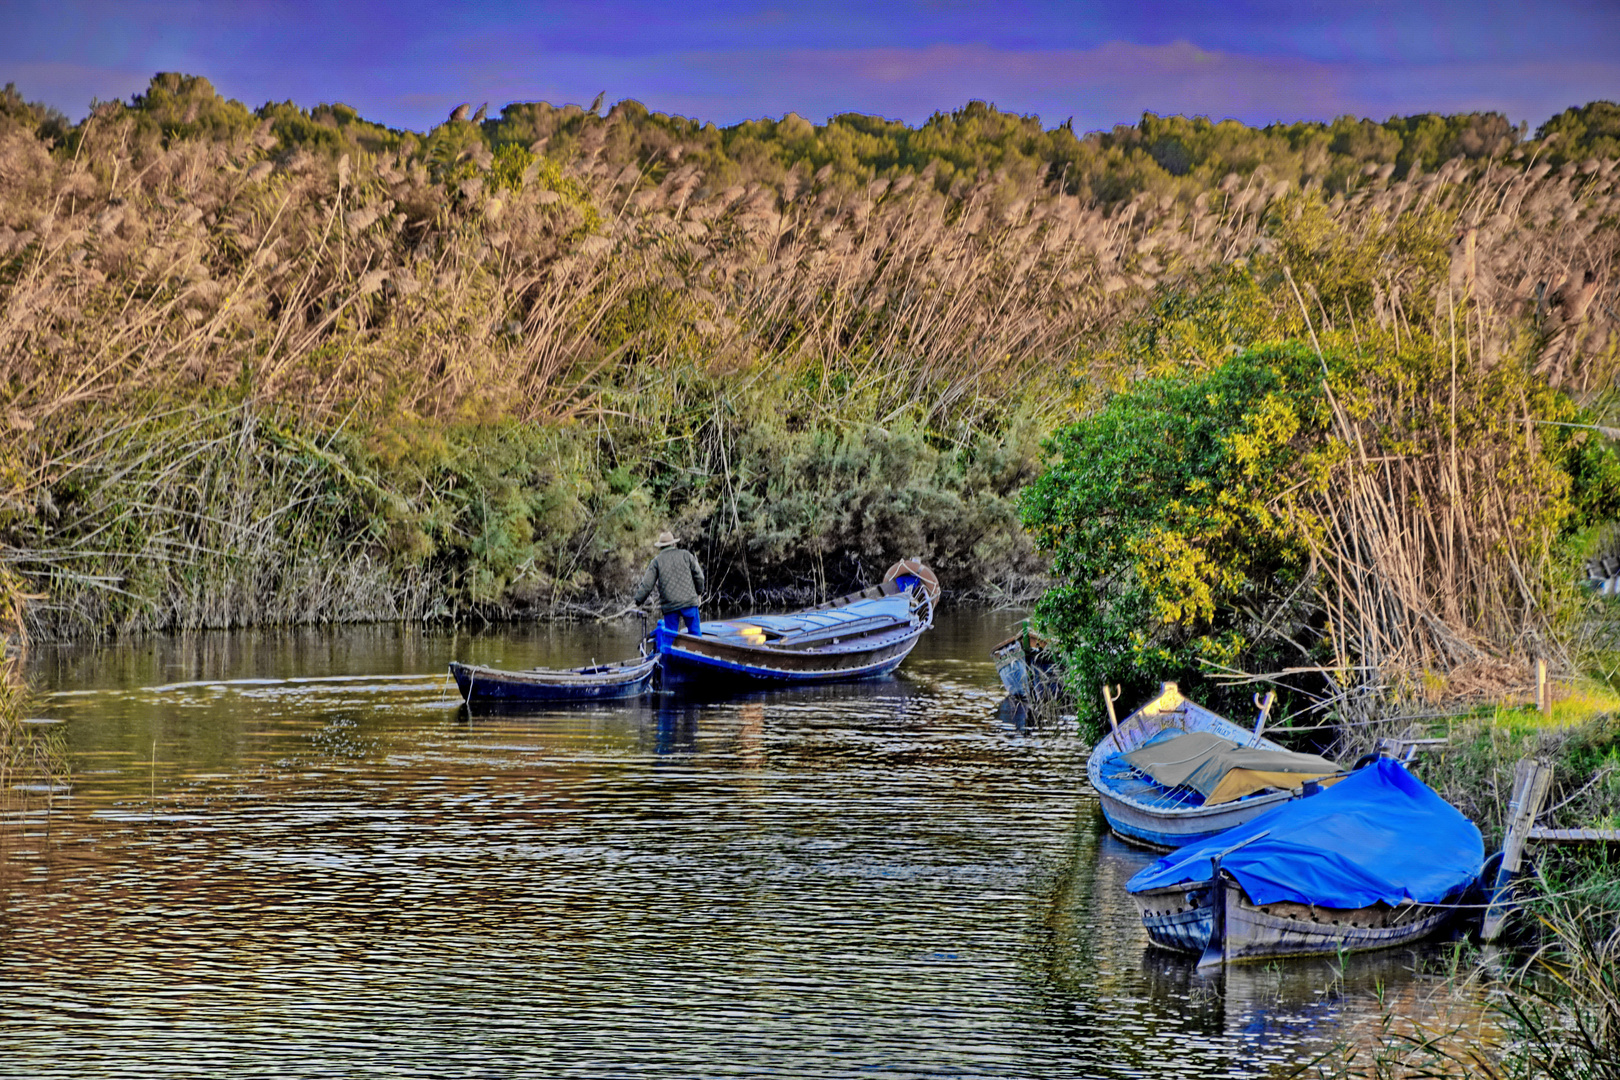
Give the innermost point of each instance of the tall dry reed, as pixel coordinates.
(147, 274)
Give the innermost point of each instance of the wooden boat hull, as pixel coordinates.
(1143, 822)
(831, 642)
(1186, 918)
(1026, 670)
(603, 682)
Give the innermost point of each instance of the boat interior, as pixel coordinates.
(1129, 782)
(803, 629)
(1240, 775)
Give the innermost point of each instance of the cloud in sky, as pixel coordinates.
(407, 62)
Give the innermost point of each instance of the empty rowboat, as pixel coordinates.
(1174, 773)
(598, 682)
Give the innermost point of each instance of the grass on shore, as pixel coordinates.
(1552, 987)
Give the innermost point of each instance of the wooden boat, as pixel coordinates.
(861, 635)
(1376, 861)
(1027, 668)
(1149, 814)
(598, 682)
(1184, 918)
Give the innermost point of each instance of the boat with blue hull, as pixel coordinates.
(861, 635)
(1376, 860)
(1174, 773)
(598, 682)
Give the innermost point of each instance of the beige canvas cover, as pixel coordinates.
(1221, 770)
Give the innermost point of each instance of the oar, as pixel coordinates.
(1264, 705)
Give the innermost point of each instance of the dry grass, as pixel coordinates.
(139, 275)
(335, 284)
(1438, 567)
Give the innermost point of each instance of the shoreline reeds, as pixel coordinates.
(609, 327)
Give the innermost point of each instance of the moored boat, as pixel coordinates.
(1174, 773)
(597, 682)
(1028, 668)
(1376, 860)
(861, 635)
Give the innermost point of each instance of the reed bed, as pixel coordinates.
(232, 357)
(1423, 488)
(32, 763)
(1443, 568)
(1551, 1012)
(1542, 1002)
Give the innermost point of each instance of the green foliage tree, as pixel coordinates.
(328, 129)
(46, 122)
(1590, 131)
(188, 106)
(1164, 516)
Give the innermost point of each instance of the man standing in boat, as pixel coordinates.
(675, 573)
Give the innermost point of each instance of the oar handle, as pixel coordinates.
(1263, 703)
(1109, 697)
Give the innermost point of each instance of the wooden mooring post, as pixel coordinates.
(1531, 779)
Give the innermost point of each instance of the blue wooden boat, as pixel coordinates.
(1376, 860)
(1147, 812)
(861, 635)
(599, 682)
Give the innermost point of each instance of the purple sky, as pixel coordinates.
(406, 63)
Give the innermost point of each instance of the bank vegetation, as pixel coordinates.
(1328, 404)
(285, 366)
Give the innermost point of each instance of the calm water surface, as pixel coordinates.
(295, 853)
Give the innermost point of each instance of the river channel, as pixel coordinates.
(294, 853)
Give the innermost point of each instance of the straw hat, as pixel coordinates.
(665, 539)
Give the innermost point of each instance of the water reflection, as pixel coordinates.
(302, 854)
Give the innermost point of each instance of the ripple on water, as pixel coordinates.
(341, 874)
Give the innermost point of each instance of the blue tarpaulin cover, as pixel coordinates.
(1378, 834)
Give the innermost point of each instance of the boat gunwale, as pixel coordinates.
(869, 642)
(894, 651)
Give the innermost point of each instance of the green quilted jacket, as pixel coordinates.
(675, 573)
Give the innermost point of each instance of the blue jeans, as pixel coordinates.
(672, 620)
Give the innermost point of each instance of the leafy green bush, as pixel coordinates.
(1162, 514)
